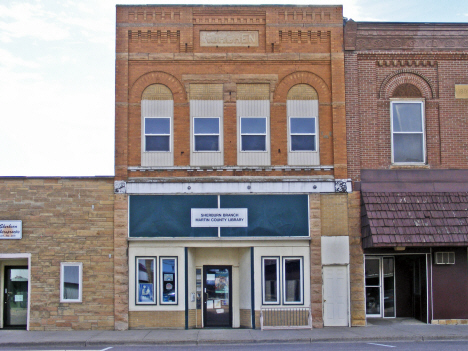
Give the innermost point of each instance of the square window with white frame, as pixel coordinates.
(145, 281)
(253, 133)
(408, 137)
(293, 281)
(271, 280)
(71, 282)
(157, 134)
(302, 133)
(206, 133)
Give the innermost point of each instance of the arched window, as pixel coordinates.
(157, 115)
(302, 111)
(408, 125)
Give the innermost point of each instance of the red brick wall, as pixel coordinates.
(379, 58)
(288, 54)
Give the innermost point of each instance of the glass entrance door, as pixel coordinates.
(15, 312)
(380, 286)
(217, 297)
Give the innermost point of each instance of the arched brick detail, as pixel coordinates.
(400, 77)
(177, 89)
(322, 89)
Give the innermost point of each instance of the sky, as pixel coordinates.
(57, 60)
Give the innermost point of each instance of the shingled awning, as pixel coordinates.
(421, 219)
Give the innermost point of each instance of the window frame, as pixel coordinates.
(254, 134)
(137, 284)
(301, 283)
(175, 280)
(278, 280)
(206, 134)
(151, 134)
(62, 282)
(421, 103)
(291, 134)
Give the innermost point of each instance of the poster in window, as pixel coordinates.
(169, 277)
(145, 293)
(221, 284)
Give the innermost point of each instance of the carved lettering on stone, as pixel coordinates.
(228, 38)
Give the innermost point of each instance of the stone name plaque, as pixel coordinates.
(461, 91)
(229, 38)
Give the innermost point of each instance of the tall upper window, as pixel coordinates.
(253, 124)
(407, 123)
(157, 114)
(302, 110)
(206, 123)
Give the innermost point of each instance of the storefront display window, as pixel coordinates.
(292, 280)
(270, 271)
(146, 277)
(168, 280)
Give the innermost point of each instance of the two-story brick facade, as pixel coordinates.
(406, 110)
(231, 170)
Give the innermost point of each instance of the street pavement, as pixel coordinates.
(375, 331)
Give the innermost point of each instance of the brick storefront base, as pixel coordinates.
(156, 319)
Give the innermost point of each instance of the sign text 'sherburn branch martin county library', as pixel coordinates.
(11, 229)
(219, 217)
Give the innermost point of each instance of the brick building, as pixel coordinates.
(232, 190)
(57, 253)
(406, 109)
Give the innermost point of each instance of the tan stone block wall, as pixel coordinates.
(450, 321)
(257, 320)
(316, 283)
(199, 321)
(245, 318)
(64, 220)
(334, 214)
(121, 262)
(192, 319)
(356, 264)
(156, 319)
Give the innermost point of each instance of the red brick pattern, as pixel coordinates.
(372, 76)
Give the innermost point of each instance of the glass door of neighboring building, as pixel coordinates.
(15, 311)
(380, 286)
(217, 297)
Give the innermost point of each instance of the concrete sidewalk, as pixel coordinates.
(380, 332)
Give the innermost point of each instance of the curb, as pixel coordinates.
(88, 343)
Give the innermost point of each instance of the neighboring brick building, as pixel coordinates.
(406, 109)
(57, 275)
(239, 110)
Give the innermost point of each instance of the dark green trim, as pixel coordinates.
(186, 290)
(252, 286)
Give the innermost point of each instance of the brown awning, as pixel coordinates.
(421, 219)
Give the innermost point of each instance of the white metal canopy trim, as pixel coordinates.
(235, 188)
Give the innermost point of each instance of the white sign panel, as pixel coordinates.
(11, 229)
(219, 217)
